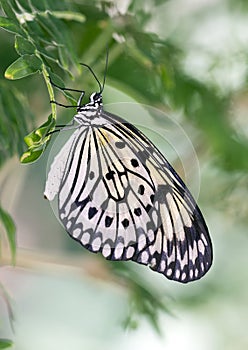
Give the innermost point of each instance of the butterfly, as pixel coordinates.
(118, 195)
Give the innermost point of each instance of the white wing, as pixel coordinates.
(58, 166)
(101, 203)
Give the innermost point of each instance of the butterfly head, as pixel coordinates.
(96, 99)
(90, 112)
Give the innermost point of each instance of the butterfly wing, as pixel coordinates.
(101, 203)
(182, 249)
(60, 164)
(119, 196)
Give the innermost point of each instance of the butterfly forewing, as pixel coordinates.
(100, 201)
(118, 195)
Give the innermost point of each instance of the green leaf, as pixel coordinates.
(10, 229)
(69, 15)
(15, 117)
(7, 7)
(31, 156)
(23, 46)
(23, 66)
(7, 299)
(9, 25)
(36, 136)
(5, 343)
(37, 141)
(57, 34)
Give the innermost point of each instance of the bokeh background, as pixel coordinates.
(187, 59)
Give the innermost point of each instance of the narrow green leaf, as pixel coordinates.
(63, 57)
(7, 299)
(23, 46)
(59, 36)
(10, 229)
(5, 343)
(69, 15)
(23, 66)
(13, 106)
(26, 6)
(37, 141)
(9, 25)
(7, 7)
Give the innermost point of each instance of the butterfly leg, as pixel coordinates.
(62, 105)
(63, 88)
(58, 128)
(67, 89)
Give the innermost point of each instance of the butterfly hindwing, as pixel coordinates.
(182, 249)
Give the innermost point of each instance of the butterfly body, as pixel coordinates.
(118, 195)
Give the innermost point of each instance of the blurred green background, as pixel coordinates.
(189, 60)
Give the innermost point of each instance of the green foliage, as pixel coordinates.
(15, 116)
(10, 230)
(23, 66)
(5, 343)
(42, 43)
(37, 141)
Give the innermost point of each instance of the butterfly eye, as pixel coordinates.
(95, 98)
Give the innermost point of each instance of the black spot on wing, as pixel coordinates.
(110, 175)
(91, 175)
(125, 223)
(92, 212)
(141, 189)
(137, 211)
(108, 221)
(134, 163)
(120, 144)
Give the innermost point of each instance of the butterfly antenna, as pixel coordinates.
(94, 75)
(105, 70)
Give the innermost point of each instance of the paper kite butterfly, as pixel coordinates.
(118, 195)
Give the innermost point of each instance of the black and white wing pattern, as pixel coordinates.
(118, 195)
